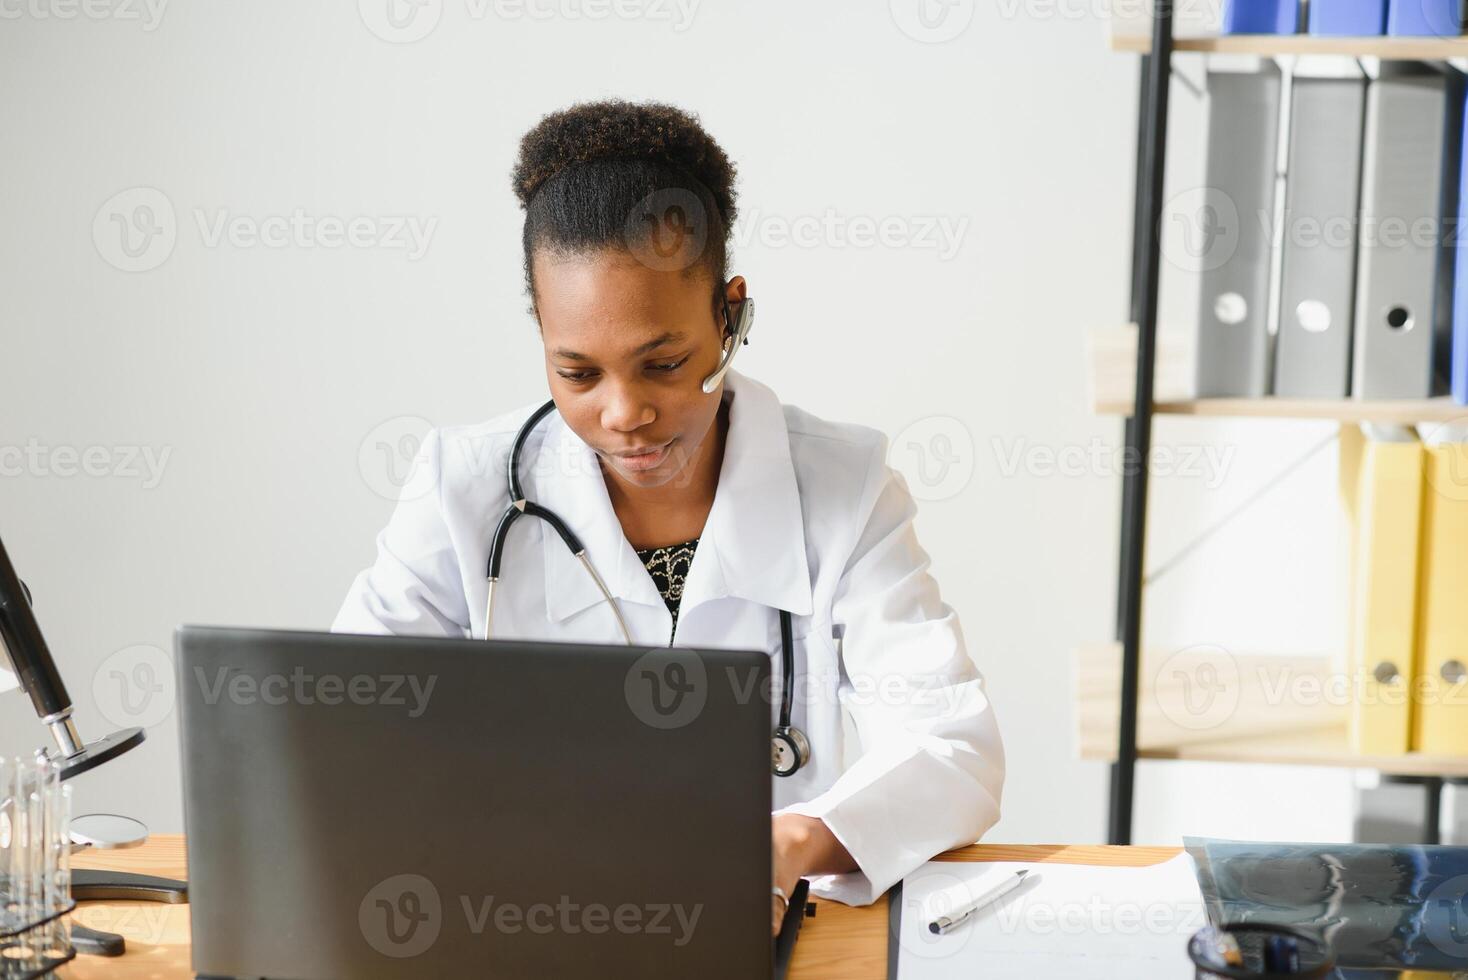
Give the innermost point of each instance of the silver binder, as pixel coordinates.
(1322, 197)
(1403, 288)
(1233, 333)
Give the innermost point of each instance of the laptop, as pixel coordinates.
(370, 806)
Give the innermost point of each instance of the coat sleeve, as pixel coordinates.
(414, 586)
(932, 765)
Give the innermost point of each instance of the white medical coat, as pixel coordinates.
(807, 517)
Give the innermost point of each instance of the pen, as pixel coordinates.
(967, 908)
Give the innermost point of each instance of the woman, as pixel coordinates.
(705, 512)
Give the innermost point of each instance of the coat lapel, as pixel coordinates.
(753, 545)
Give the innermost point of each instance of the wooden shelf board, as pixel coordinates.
(1404, 412)
(1267, 45)
(1113, 363)
(1258, 730)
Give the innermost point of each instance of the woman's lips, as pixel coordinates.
(646, 461)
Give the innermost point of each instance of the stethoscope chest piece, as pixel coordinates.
(789, 751)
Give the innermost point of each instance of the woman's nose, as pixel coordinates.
(626, 410)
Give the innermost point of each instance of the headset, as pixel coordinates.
(789, 748)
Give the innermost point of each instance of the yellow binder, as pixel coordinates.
(1381, 484)
(1441, 720)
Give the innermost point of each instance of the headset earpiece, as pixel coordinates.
(737, 334)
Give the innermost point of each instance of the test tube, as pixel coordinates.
(17, 803)
(10, 817)
(33, 779)
(54, 941)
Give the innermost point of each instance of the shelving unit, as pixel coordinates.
(1125, 382)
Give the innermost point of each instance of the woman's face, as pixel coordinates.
(627, 348)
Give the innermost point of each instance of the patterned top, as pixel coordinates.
(668, 567)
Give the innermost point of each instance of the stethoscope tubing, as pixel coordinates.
(519, 507)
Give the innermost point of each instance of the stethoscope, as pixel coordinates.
(789, 748)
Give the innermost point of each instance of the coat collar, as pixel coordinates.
(752, 546)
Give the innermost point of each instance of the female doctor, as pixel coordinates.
(704, 507)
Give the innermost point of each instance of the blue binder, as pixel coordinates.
(1262, 16)
(1425, 18)
(1458, 349)
(1347, 18)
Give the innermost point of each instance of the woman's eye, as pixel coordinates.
(582, 377)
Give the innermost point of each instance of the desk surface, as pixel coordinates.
(840, 941)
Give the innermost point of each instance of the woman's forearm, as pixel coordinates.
(807, 845)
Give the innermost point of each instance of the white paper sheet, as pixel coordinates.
(1072, 921)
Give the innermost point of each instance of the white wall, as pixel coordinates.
(270, 374)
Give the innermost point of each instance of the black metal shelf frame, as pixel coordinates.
(1155, 77)
(1156, 73)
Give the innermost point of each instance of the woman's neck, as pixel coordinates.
(675, 512)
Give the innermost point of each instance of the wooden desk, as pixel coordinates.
(839, 942)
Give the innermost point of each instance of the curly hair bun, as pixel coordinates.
(641, 177)
(615, 129)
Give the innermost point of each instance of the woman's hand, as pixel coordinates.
(802, 846)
